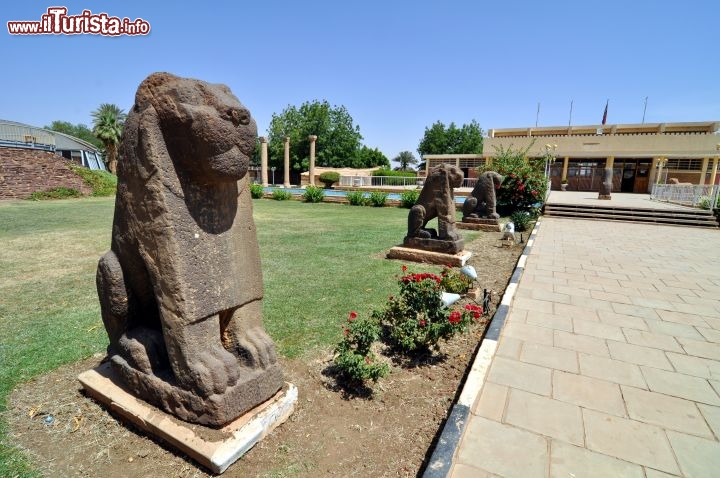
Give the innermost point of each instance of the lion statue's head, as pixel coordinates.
(208, 132)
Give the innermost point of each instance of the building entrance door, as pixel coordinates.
(627, 182)
(642, 177)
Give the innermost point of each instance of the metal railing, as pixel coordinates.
(687, 195)
(381, 181)
(402, 181)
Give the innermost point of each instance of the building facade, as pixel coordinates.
(640, 154)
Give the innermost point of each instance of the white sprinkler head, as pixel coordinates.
(448, 298)
(469, 271)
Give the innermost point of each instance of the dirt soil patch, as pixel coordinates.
(333, 431)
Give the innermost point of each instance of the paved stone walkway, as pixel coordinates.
(609, 361)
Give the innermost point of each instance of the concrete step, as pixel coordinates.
(678, 217)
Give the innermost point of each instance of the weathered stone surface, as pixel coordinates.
(606, 186)
(429, 257)
(481, 202)
(436, 201)
(181, 287)
(479, 224)
(237, 437)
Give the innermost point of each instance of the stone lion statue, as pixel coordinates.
(436, 200)
(181, 287)
(481, 202)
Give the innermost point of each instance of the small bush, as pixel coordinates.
(256, 191)
(356, 198)
(313, 194)
(280, 195)
(353, 355)
(417, 319)
(392, 178)
(521, 219)
(704, 202)
(329, 178)
(409, 197)
(101, 182)
(55, 193)
(378, 198)
(452, 280)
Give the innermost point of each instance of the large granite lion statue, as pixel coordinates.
(436, 200)
(181, 287)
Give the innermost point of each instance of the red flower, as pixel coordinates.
(476, 315)
(422, 323)
(521, 187)
(534, 193)
(345, 332)
(404, 268)
(367, 360)
(455, 317)
(353, 316)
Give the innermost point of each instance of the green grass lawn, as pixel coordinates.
(320, 261)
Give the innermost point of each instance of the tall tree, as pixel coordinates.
(452, 140)
(79, 130)
(366, 157)
(108, 121)
(338, 138)
(405, 158)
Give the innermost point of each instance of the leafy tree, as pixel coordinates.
(79, 130)
(452, 140)
(366, 157)
(338, 139)
(405, 158)
(108, 121)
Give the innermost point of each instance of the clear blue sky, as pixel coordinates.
(398, 66)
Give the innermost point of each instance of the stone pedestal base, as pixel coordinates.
(435, 245)
(604, 196)
(231, 442)
(479, 224)
(429, 257)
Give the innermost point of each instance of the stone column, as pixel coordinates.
(312, 139)
(703, 171)
(263, 161)
(566, 163)
(713, 173)
(286, 163)
(661, 161)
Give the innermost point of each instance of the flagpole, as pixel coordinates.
(644, 110)
(570, 118)
(537, 115)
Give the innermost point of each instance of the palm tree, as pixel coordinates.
(108, 121)
(406, 158)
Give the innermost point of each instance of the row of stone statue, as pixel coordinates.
(437, 200)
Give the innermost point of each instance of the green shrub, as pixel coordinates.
(524, 181)
(704, 202)
(313, 194)
(101, 182)
(378, 198)
(356, 198)
(392, 178)
(409, 197)
(55, 193)
(353, 356)
(329, 178)
(452, 280)
(417, 319)
(281, 195)
(521, 219)
(256, 191)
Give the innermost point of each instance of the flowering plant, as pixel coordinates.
(353, 355)
(454, 281)
(524, 184)
(416, 318)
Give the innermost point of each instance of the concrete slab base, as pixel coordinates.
(428, 257)
(230, 443)
(475, 226)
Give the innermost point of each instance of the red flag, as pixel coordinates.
(605, 113)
